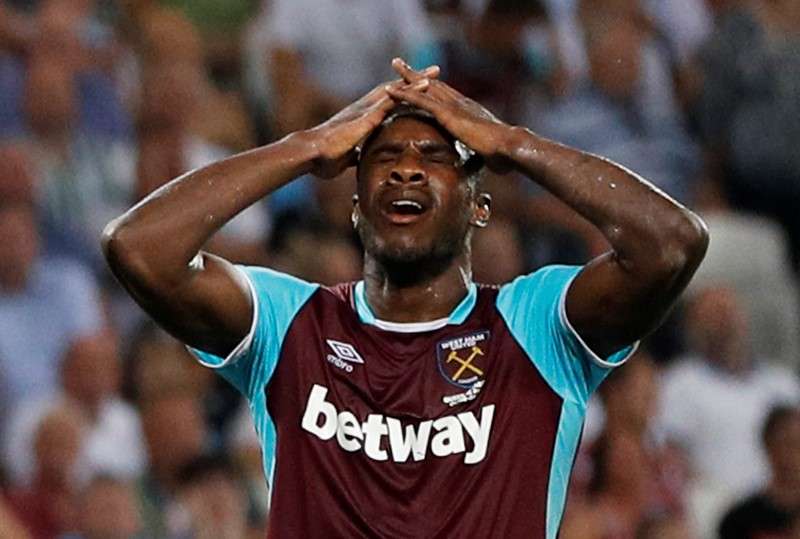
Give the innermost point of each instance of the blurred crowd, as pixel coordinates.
(109, 430)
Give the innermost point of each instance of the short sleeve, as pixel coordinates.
(534, 309)
(276, 298)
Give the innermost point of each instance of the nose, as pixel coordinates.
(408, 169)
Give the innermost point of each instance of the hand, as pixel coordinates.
(337, 138)
(465, 119)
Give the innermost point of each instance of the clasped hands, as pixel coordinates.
(336, 139)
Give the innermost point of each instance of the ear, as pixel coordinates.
(482, 210)
(356, 215)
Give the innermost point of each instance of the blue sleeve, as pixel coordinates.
(533, 307)
(277, 298)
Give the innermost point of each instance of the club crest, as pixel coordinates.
(462, 360)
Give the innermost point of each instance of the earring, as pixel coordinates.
(354, 219)
(481, 223)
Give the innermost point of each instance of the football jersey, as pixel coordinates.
(462, 427)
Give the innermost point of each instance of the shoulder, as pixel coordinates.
(275, 282)
(540, 289)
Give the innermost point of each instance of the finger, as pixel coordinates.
(440, 88)
(410, 75)
(416, 98)
(377, 111)
(432, 72)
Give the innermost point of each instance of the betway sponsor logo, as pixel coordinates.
(443, 436)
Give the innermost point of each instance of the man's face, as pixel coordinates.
(414, 200)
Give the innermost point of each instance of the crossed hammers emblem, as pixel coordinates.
(466, 363)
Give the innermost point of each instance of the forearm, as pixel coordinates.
(165, 231)
(644, 226)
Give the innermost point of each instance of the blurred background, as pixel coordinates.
(108, 430)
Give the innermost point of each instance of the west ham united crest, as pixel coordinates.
(461, 360)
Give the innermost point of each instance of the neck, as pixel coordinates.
(416, 293)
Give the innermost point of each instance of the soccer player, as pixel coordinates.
(414, 403)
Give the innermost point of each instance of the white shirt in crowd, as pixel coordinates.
(113, 445)
(717, 417)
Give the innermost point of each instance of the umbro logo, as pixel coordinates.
(344, 355)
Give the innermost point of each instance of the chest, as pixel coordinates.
(406, 397)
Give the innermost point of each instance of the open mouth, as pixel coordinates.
(405, 209)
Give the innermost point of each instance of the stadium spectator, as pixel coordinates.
(45, 302)
(86, 179)
(763, 280)
(715, 401)
(635, 477)
(210, 502)
(503, 53)
(90, 372)
(106, 509)
(626, 109)
(310, 45)
(245, 451)
(156, 364)
(173, 97)
(46, 506)
(749, 108)
(775, 509)
(175, 434)
(308, 246)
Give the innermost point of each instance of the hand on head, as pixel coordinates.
(466, 120)
(336, 139)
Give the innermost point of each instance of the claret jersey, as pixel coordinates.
(462, 427)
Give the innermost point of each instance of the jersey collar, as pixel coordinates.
(458, 316)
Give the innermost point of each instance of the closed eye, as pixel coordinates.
(441, 157)
(384, 155)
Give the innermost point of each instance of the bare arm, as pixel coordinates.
(154, 249)
(656, 243)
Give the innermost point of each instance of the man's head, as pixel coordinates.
(615, 34)
(51, 101)
(629, 394)
(716, 328)
(90, 370)
(175, 432)
(58, 443)
(417, 193)
(211, 492)
(107, 509)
